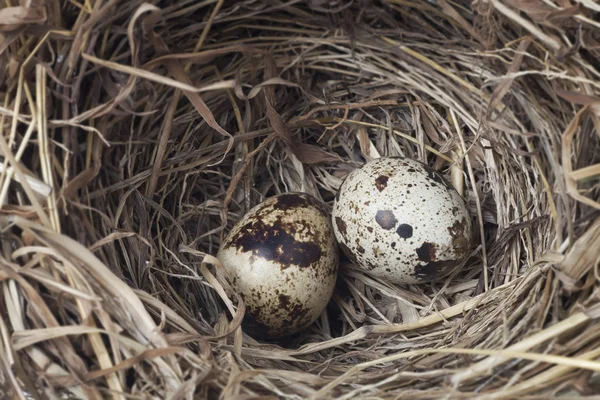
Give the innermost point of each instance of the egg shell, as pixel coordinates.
(282, 258)
(401, 221)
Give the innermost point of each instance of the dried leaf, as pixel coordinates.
(12, 18)
(577, 98)
(366, 146)
(582, 257)
(564, 13)
(567, 140)
(311, 154)
(430, 129)
(503, 88)
(275, 119)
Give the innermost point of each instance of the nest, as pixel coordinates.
(134, 135)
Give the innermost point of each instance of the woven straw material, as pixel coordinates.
(133, 135)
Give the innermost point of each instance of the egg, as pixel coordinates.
(400, 220)
(282, 258)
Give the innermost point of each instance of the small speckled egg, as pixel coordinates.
(282, 258)
(400, 220)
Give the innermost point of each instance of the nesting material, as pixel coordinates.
(134, 135)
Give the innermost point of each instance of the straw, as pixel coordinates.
(134, 135)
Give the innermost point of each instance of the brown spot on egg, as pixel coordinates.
(381, 182)
(405, 231)
(288, 201)
(348, 253)
(370, 265)
(284, 301)
(370, 229)
(426, 252)
(333, 268)
(386, 219)
(459, 237)
(298, 312)
(276, 242)
(341, 225)
(254, 325)
(360, 249)
(435, 269)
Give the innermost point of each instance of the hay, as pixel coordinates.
(133, 135)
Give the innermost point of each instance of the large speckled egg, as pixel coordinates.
(400, 220)
(282, 258)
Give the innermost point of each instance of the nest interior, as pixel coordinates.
(135, 134)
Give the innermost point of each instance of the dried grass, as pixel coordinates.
(133, 135)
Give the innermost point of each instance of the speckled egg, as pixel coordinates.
(282, 258)
(400, 220)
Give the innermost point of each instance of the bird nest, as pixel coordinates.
(134, 135)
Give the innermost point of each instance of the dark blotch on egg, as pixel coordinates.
(288, 201)
(341, 225)
(426, 252)
(298, 314)
(459, 238)
(435, 269)
(348, 253)
(370, 265)
(253, 325)
(276, 242)
(405, 231)
(381, 182)
(295, 311)
(386, 219)
(284, 301)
